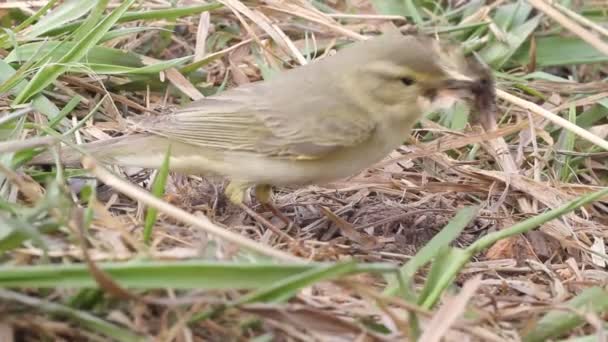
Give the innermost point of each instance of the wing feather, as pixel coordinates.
(250, 119)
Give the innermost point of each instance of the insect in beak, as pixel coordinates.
(479, 93)
(443, 95)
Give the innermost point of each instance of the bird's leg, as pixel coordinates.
(263, 192)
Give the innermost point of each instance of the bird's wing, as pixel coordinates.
(248, 119)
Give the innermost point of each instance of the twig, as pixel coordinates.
(17, 145)
(366, 16)
(200, 222)
(183, 84)
(80, 317)
(570, 25)
(103, 279)
(265, 222)
(338, 28)
(451, 311)
(580, 102)
(581, 19)
(118, 98)
(16, 114)
(536, 109)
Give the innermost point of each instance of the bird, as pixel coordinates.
(312, 124)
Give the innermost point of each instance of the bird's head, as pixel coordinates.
(395, 74)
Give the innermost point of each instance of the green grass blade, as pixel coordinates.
(535, 221)
(288, 287)
(558, 322)
(558, 50)
(49, 73)
(442, 274)
(67, 109)
(459, 259)
(155, 68)
(160, 274)
(430, 250)
(66, 12)
(159, 14)
(389, 7)
(498, 53)
(158, 189)
(413, 12)
(96, 55)
(33, 18)
(566, 143)
(83, 319)
(40, 103)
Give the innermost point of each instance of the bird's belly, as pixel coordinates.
(258, 169)
(281, 171)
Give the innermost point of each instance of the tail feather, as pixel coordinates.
(113, 151)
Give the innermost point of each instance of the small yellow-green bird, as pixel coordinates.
(313, 124)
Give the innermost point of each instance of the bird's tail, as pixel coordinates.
(124, 150)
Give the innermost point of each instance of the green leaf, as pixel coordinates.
(40, 103)
(592, 115)
(498, 53)
(512, 15)
(457, 116)
(558, 50)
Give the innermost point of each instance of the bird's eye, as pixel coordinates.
(408, 81)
